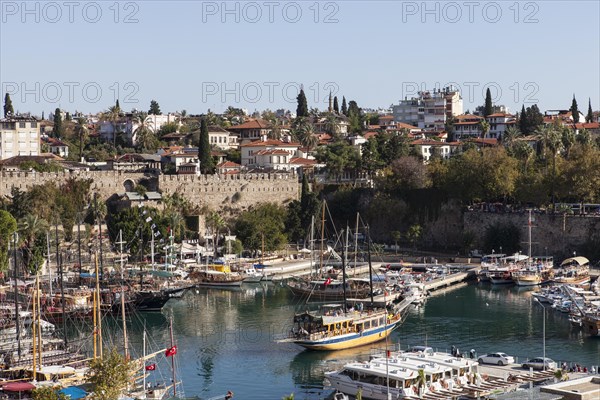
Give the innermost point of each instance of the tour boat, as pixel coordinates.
(590, 323)
(573, 271)
(217, 275)
(336, 327)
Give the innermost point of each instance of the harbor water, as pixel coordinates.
(227, 339)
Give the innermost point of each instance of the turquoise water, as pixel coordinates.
(227, 338)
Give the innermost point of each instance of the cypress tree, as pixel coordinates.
(68, 116)
(523, 125)
(344, 106)
(590, 114)
(8, 107)
(154, 108)
(488, 109)
(207, 165)
(574, 110)
(58, 129)
(336, 108)
(302, 109)
(117, 104)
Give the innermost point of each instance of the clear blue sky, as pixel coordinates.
(197, 55)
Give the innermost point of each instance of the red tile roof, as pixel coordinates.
(228, 164)
(272, 152)
(428, 142)
(270, 143)
(252, 124)
(302, 161)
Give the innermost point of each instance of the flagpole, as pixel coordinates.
(173, 356)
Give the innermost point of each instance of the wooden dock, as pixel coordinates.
(449, 280)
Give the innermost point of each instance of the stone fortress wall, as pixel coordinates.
(236, 192)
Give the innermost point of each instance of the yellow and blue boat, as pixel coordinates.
(336, 329)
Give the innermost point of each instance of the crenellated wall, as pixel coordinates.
(234, 192)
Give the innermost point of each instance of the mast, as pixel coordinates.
(39, 318)
(370, 266)
(312, 243)
(344, 254)
(98, 310)
(356, 241)
(48, 261)
(173, 356)
(79, 244)
(99, 234)
(33, 322)
(17, 317)
(322, 236)
(62, 300)
(95, 305)
(152, 251)
(529, 222)
(144, 354)
(125, 345)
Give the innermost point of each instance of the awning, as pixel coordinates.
(18, 387)
(162, 274)
(579, 260)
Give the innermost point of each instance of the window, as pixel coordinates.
(34, 124)
(21, 124)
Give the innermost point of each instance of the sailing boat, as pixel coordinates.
(536, 273)
(338, 327)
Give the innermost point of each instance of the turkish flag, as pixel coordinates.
(150, 367)
(328, 281)
(171, 351)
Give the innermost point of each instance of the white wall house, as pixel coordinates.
(128, 126)
(222, 139)
(269, 154)
(467, 126)
(19, 135)
(499, 122)
(426, 148)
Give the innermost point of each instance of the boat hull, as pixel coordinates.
(351, 339)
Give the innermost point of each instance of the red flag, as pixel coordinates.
(150, 367)
(171, 351)
(328, 281)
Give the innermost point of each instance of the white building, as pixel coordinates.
(222, 139)
(269, 154)
(467, 126)
(429, 110)
(499, 122)
(19, 135)
(427, 147)
(127, 125)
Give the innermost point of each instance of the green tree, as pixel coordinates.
(510, 134)
(336, 108)
(68, 116)
(112, 116)
(353, 108)
(413, 235)
(590, 114)
(8, 107)
(574, 110)
(32, 228)
(344, 106)
(154, 108)
(110, 375)
(488, 108)
(484, 126)
(396, 236)
(215, 222)
(302, 108)
(207, 165)
(339, 158)
(449, 127)
(144, 135)
(370, 158)
(48, 393)
(265, 220)
(58, 130)
(81, 131)
(8, 226)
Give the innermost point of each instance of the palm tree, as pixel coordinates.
(216, 223)
(332, 125)
(31, 227)
(485, 128)
(276, 129)
(552, 141)
(523, 152)
(112, 115)
(567, 139)
(511, 133)
(307, 137)
(145, 137)
(81, 130)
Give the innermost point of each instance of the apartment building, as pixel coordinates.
(19, 136)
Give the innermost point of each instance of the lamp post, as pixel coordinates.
(543, 332)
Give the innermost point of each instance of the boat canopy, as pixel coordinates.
(73, 392)
(161, 273)
(575, 260)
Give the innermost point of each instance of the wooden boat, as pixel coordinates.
(217, 275)
(573, 271)
(337, 329)
(590, 322)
